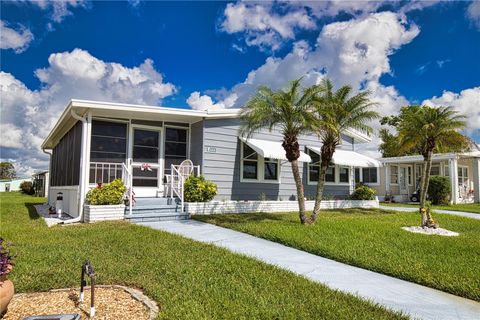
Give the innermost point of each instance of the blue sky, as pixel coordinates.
(214, 54)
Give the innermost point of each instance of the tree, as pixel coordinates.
(335, 112)
(7, 170)
(289, 111)
(427, 130)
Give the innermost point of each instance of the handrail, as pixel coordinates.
(177, 183)
(129, 185)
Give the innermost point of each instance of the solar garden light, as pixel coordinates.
(88, 270)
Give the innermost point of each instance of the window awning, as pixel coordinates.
(272, 149)
(350, 158)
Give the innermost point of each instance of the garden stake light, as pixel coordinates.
(88, 270)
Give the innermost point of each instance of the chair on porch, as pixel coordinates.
(185, 169)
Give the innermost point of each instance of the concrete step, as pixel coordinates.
(150, 217)
(154, 201)
(154, 207)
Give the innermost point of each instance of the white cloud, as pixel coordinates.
(204, 102)
(261, 24)
(18, 40)
(473, 13)
(28, 115)
(466, 102)
(59, 9)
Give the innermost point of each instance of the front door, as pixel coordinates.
(402, 180)
(146, 162)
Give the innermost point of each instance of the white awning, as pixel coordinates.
(272, 149)
(350, 158)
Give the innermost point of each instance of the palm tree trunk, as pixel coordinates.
(427, 165)
(319, 196)
(300, 193)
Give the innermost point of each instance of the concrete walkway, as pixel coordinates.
(413, 299)
(456, 213)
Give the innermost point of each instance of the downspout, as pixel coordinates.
(83, 165)
(49, 172)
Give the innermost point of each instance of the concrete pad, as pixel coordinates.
(399, 295)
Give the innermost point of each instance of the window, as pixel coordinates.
(369, 175)
(435, 170)
(175, 146)
(344, 174)
(394, 174)
(330, 174)
(108, 142)
(446, 170)
(409, 175)
(249, 163)
(463, 176)
(314, 166)
(357, 175)
(255, 167)
(271, 169)
(145, 178)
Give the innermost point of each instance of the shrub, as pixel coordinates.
(27, 187)
(6, 257)
(439, 190)
(197, 189)
(107, 194)
(363, 192)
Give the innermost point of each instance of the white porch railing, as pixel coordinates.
(177, 181)
(127, 178)
(105, 172)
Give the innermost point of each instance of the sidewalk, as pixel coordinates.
(456, 213)
(399, 295)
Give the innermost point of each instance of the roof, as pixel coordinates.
(272, 149)
(436, 156)
(350, 158)
(144, 112)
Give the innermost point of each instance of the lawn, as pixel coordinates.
(373, 239)
(189, 280)
(465, 207)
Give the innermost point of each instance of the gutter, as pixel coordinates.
(83, 165)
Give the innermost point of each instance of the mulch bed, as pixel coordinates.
(111, 302)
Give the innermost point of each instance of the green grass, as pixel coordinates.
(189, 280)
(374, 240)
(465, 207)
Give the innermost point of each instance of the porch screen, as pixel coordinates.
(175, 146)
(108, 150)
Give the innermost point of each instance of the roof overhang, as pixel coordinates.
(350, 158)
(272, 149)
(436, 157)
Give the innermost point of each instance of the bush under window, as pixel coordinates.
(439, 190)
(363, 192)
(197, 189)
(107, 194)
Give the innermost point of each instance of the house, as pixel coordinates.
(400, 176)
(96, 142)
(40, 183)
(9, 185)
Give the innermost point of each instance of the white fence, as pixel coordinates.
(271, 206)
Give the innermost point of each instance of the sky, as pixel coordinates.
(213, 55)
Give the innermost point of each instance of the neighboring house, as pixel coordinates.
(41, 183)
(93, 141)
(400, 176)
(9, 185)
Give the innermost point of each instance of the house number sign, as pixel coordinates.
(210, 149)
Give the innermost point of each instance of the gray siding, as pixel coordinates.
(65, 159)
(223, 166)
(196, 143)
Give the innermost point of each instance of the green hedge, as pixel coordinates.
(197, 189)
(363, 192)
(107, 194)
(439, 189)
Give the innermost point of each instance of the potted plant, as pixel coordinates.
(105, 202)
(6, 266)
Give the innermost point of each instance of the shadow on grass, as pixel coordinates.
(32, 212)
(242, 218)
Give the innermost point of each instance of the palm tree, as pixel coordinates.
(288, 111)
(428, 129)
(337, 111)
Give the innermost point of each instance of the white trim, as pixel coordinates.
(260, 168)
